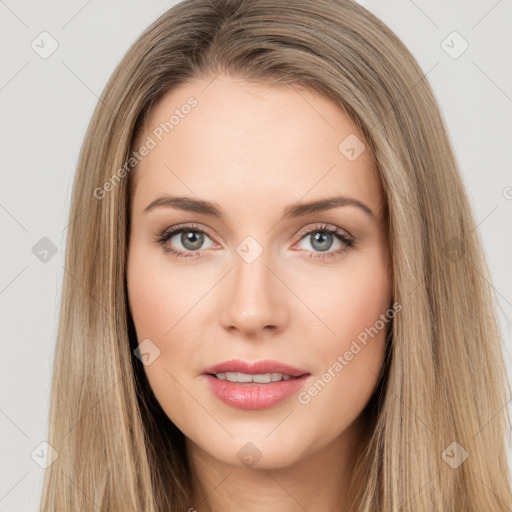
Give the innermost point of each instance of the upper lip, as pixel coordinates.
(255, 367)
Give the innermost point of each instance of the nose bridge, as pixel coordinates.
(254, 300)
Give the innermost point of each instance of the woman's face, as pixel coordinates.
(260, 275)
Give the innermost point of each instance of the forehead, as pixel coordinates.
(239, 142)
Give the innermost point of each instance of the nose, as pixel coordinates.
(254, 299)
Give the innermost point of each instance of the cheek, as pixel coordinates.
(159, 312)
(349, 299)
(155, 306)
(159, 295)
(150, 300)
(356, 309)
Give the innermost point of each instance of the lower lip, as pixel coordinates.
(251, 395)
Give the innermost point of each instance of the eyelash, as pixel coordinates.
(347, 240)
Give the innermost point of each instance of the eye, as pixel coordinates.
(190, 237)
(321, 238)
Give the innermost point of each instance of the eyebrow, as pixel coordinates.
(190, 204)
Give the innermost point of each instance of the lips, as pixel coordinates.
(254, 368)
(252, 395)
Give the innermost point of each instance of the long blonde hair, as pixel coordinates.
(445, 379)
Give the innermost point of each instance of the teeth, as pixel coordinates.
(261, 378)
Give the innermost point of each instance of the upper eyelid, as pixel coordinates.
(323, 226)
(190, 227)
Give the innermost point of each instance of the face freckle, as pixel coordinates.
(242, 158)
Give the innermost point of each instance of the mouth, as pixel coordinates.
(253, 386)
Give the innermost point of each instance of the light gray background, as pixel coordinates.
(46, 105)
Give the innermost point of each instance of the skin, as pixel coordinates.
(254, 149)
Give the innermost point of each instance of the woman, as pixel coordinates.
(282, 301)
